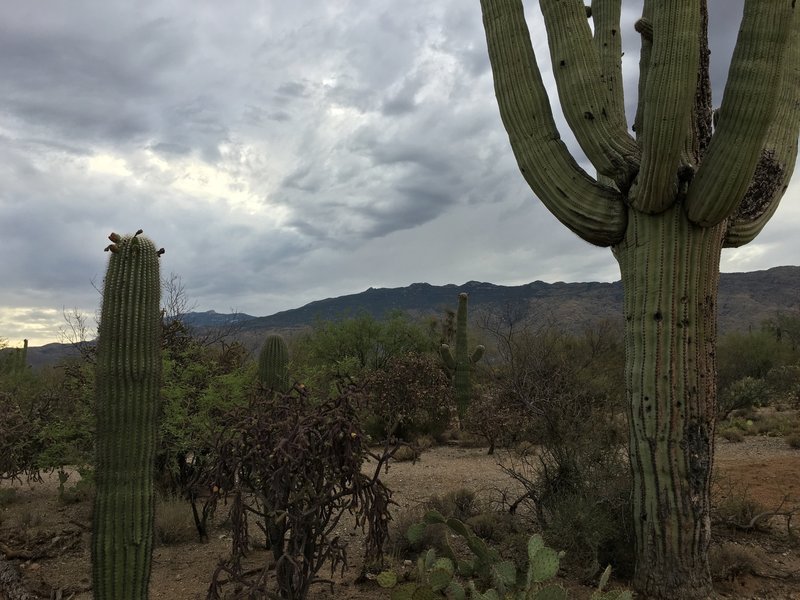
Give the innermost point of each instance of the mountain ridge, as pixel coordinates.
(746, 300)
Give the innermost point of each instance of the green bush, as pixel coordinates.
(47, 420)
(349, 349)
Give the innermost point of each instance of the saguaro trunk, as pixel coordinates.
(666, 201)
(670, 272)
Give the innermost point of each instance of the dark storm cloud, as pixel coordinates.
(82, 84)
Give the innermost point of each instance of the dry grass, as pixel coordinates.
(730, 560)
(174, 523)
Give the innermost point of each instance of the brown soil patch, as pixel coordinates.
(766, 468)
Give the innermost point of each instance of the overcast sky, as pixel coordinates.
(281, 152)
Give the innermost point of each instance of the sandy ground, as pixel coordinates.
(765, 467)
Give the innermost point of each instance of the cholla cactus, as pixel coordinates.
(127, 392)
(460, 362)
(667, 201)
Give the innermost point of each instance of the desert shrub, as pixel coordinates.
(173, 523)
(565, 393)
(405, 454)
(734, 506)
(752, 354)
(425, 442)
(200, 383)
(490, 419)
(295, 466)
(461, 504)
(742, 394)
(349, 349)
(774, 424)
(47, 421)
(730, 560)
(732, 434)
(19, 440)
(409, 397)
(7, 496)
(784, 385)
(793, 439)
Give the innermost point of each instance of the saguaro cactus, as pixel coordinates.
(22, 362)
(273, 364)
(460, 362)
(128, 379)
(667, 202)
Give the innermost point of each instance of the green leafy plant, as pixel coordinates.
(343, 350)
(200, 384)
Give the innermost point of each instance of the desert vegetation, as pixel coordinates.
(606, 442)
(280, 450)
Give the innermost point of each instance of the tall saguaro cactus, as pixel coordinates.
(22, 357)
(666, 202)
(460, 362)
(127, 392)
(273, 364)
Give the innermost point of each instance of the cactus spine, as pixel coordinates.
(460, 362)
(127, 391)
(667, 202)
(273, 364)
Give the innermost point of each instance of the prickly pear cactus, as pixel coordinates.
(460, 362)
(127, 391)
(273, 364)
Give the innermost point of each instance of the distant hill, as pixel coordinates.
(567, 299)
(746, 300)
(212, 318)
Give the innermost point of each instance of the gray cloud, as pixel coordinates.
(280, 154)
